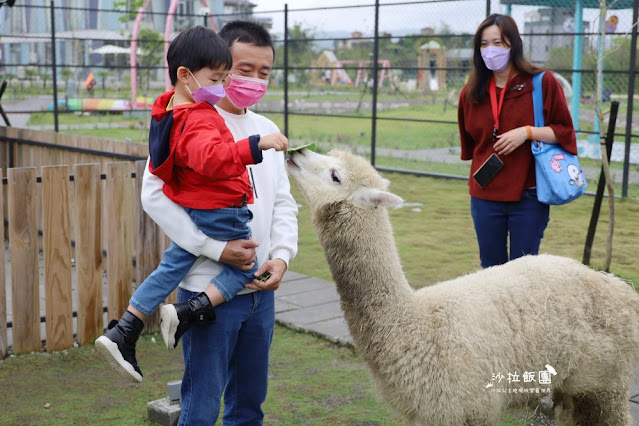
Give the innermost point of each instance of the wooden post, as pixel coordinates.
(57, 257)
(4, 340)
(88, 249)
(23, 248)
(119, 238)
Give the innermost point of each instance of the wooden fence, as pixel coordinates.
(34, 148)
(78, 235)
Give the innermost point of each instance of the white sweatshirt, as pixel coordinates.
(274, 223)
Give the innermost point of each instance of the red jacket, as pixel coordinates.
(476, 127)
(195, 155)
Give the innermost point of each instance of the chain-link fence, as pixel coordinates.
(382, 79)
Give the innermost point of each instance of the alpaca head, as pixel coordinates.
(337, 178)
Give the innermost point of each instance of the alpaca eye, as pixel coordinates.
(335, 176)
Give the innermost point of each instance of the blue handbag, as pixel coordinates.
(558, 173)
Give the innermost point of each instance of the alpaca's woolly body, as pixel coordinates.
(433, 351)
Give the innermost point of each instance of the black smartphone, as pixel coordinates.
(487, 171)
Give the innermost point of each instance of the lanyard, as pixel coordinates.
(493, 100)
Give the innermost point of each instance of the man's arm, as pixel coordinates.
(174, 221)
(283, 234)
(179, 227)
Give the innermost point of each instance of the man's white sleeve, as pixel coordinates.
(174, 221)
(284, 226)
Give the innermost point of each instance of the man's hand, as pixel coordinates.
(276, 267)
(240, 253)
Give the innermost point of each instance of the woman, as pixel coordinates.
(496, 117)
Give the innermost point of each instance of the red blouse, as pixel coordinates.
(476, 131)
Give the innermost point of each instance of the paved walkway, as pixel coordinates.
(312, 305)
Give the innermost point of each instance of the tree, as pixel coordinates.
(66, 74)
(301, 51)
(130, 7)
(151, 44)
(44, 76)
(103, 77)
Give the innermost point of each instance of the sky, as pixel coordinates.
(393, 19)
(462, 16)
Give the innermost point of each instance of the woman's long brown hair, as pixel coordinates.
(480, 74)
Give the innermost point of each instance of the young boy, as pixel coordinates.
(204, 171)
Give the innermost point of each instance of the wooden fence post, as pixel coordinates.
(4, 339)
(88, 249)
(57, 257)
(119, 237)
(23, 248)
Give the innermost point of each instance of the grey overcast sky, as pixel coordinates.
(459, 16)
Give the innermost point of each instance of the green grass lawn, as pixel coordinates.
(436, 238)
(312, 382)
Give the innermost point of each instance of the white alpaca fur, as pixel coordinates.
(434, 352)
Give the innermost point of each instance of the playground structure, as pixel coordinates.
(102, 104)
(334, 72)
(430, 62)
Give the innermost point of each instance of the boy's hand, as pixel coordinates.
(277, 141)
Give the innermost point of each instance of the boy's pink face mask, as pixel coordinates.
(244, 92)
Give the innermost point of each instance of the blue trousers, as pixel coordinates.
(229, 357)
(524, 221)
(224, 224)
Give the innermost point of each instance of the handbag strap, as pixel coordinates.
(538, 99)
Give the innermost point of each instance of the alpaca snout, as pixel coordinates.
(294, 161)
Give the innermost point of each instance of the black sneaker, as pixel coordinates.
(176, 319)
(118, 345)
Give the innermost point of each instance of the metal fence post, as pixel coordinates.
(631, 91)
(286, 70)
(53, 66)
(375, 84)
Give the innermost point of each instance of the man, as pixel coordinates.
(231, 355)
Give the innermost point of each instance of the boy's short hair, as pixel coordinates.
(246, 32)
(196, 48)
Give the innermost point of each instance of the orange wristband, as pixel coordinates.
(529, 132)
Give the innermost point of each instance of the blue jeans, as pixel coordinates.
(225, 224)
(229, 357)
(524, 220)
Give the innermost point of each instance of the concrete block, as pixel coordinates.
(312, 298)
(302, 317)
(302, 286)
(334, 330)
(163, 412)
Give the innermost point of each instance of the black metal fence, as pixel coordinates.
(382, 79)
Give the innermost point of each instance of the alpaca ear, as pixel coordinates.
(372, 198)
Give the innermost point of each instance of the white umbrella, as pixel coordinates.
(111, 49)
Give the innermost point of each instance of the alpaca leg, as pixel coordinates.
(563, 408)
(597, 408)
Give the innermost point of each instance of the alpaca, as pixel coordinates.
(446, 354)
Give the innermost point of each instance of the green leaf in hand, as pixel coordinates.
(310, 146)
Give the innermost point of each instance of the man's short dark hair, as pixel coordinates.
(196, 48)
(246, 32)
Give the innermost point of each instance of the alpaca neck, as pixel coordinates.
(364, 262)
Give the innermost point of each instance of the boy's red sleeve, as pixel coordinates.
(211, 151)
